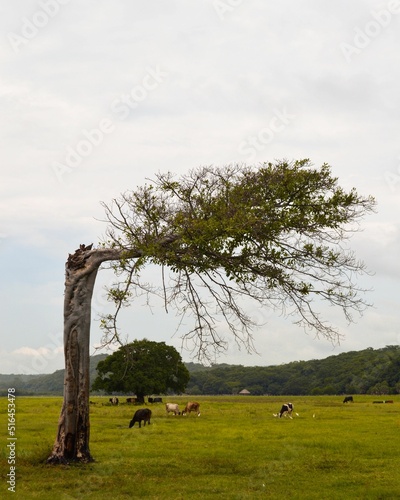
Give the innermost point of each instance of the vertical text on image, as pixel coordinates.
(11, 445)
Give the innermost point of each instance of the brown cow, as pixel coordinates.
(192, 406)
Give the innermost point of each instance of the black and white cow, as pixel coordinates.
(286, 410)
(143, 414)
(348, 399)
(114, 401)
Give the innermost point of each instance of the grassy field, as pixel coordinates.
(236, 449)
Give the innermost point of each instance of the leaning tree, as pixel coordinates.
(275, 234)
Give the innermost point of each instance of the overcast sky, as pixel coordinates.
(98, 95)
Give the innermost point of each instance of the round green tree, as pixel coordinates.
(142, 367)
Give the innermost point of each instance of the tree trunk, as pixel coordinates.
(72, 441)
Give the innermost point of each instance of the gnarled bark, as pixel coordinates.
(72, 441)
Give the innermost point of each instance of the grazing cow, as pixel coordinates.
(172, 408)
(143, 414)
(347, 399)
(192, 406)
(131, 400)
(155, 400)
(286, 410)
(114, 400)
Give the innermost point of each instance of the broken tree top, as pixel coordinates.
(76, 260)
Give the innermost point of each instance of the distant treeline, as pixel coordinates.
(43, 385)
(371, 371)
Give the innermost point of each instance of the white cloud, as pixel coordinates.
(28, 360)
(37, 353)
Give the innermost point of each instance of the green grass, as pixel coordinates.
(236, 449)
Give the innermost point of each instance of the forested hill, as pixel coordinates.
(52, 383)
(371, 371)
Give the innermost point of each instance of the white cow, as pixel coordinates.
(172, 408)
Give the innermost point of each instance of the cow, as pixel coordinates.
(348, 399)
(172, 408)
(131, 400)
(143, 414)
(192, 406)
(286, 410)
(155, 400)
(114, 400)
